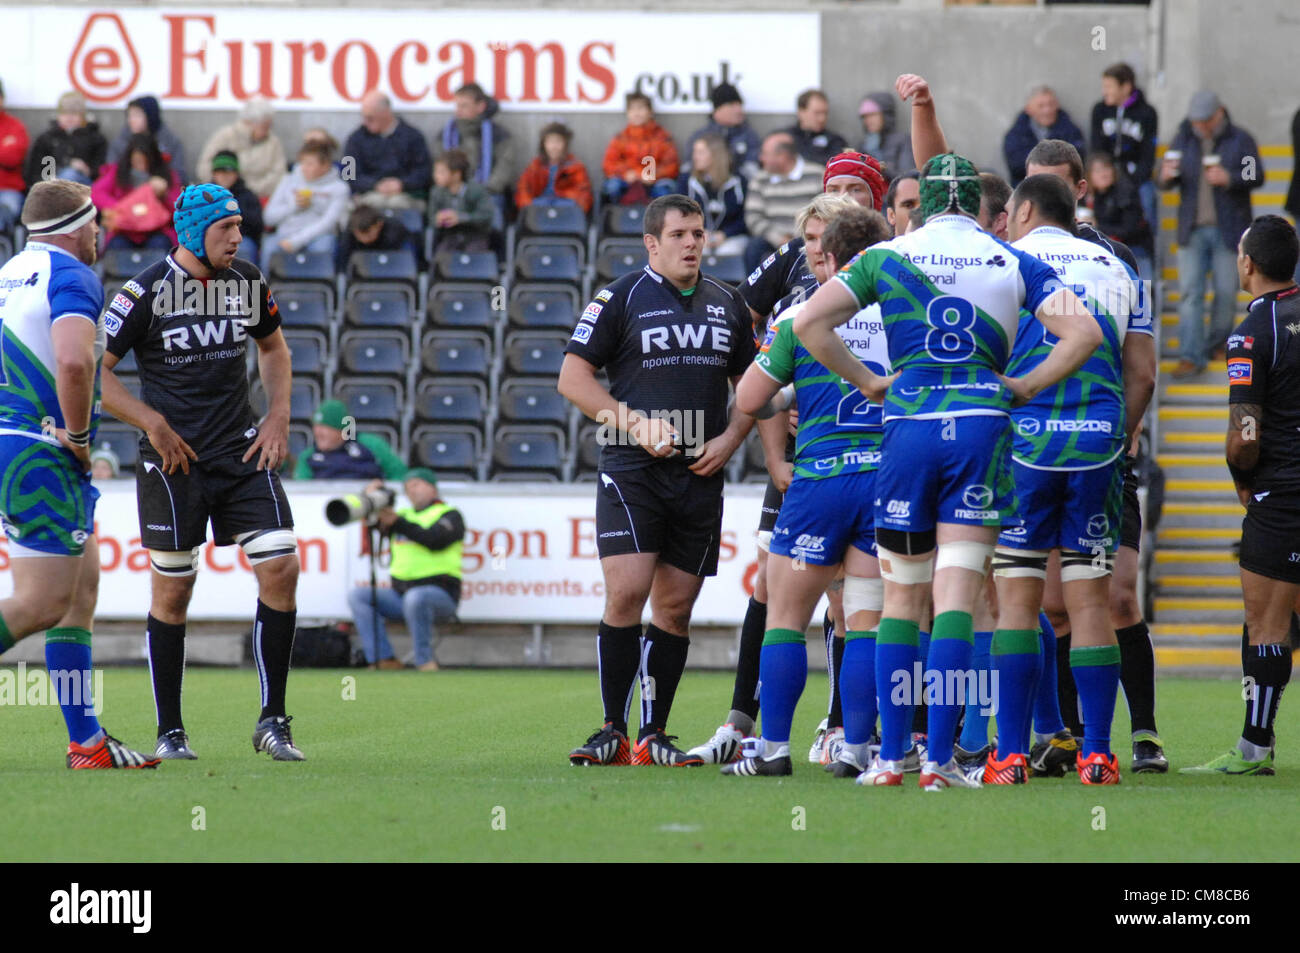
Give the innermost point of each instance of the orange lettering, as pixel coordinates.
(593, 70)
(179, 55)
(396, 81)
(445, 88)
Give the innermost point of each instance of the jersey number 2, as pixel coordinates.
(952, 329)
(856, 411)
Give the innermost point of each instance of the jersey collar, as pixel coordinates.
(1053, 230)
(668, 284)
(954, 220)
(42, 246)
(1274, 296)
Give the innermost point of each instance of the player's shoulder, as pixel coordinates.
(244, 269)
(716, 288)
(619, 290)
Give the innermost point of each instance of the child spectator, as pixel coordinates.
(369, 229)
(461, 211)
(140, 223)
(629, 177)
(225, 173)
(720, 192)
(555, 176)
(307, 206)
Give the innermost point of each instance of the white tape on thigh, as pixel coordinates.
(964, 554)
(179, 563)
(905, 572)
(862, 594)
(1076, 566)
(267, 544)
(763, 540)
(1020, 563)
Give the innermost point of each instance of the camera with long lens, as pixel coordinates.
(360, 506)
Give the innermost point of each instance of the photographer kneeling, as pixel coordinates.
(425, 545)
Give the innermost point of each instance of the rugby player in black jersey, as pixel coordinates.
(203, 457)
(670, 339)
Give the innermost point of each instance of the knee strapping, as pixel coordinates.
(965, 554)
(182, 562)
(263, 545)
(862, 594)
(1020, 563)
(905, 572)
(1076, 566)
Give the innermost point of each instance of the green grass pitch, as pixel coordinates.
(471, 766)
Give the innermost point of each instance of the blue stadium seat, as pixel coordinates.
(728, 268)
(616, 257)
(466, 266)
(454, 305)
(543, 306)
(375, 399)
(537, 353)
(128, 262)
(553, 220)
(447, 449)
(623, 221)
(412, 219)
(372, 308)
(533, 402)
(375, 352)
(302, 266)
(452, 402)
(549, 259)
(304, 398)
(124, 441)
(305, 308)
(532, 450)
(300, 441)
(383, 266)
(310, 352)
(587, 448)
(456, 353)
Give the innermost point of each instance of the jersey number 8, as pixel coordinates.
(951, 338)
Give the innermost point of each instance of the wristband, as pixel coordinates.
(81, 438)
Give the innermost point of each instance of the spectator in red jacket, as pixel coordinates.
(554, 176)
(629, 177)
(13, 149)
(142, 164)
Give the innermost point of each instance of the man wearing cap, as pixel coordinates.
(71, 148)
(728, 121)
(203, 456)
(225, 173)
(340, 453)
(425, 540)
(1215, 164)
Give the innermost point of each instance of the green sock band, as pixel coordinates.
(1015, 642)
(69, 633)
(953, 625)
(782, 637)
(898, 632)
(7, 639)
(1094, 655)
(853, 636)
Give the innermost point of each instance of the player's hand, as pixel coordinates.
(909, 84)
(271, 445)
(656, 436)
(1020, 394)
(81, 453)
(174, 451)
(878, 388)
(782, 474)
(794, 420)
(714, 455)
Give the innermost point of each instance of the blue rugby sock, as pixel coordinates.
(896, 672)
(975, 730)
(782, 672)
(1016, 660)
(858, 686)
(67, 657)
(1096, 673)
(1047, 702)
(950, 651)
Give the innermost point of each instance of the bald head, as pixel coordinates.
(376, 112)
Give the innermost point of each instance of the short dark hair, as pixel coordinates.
(364, 217)
(995, 192)
(634, 97)
(784, 142)
(852, 230)
(1052, 199)
(1052, 152)
(808, 95)
(1271, 243)
(892, 192)
(916, 217)
(657, 212)
(456, 161)
(1121, 73)
(553, 129)
(1100, 158)
(474, 91)
(317, 149)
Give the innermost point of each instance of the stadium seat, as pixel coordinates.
(124, 441)
(300, 441)
(128, 262)
(454, 305)
(543, 306)
(623, 221)
(302, 266)
(310, 352)
(538, 353)
(375, 352)
(533, 402)
(304, 398)
(466, 266)
(532, 449)
(372, 308)
(549, 259)
(383, 266)
(728, 268)
(305, 308)
(463, 352)
(412, 219)
(452, 402)
(553, 220)
(447, 449)
(588, 448)
(374, 399)
(616, 257)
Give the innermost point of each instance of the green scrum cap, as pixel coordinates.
(950, 183)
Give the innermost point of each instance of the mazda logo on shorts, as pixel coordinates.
(1098, 525)
(1028, 427)
(977, 497)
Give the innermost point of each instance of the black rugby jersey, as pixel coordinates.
(666, 354)
(778, 275)
(190, 341)
(1264, 369)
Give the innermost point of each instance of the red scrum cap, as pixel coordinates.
(862, 166)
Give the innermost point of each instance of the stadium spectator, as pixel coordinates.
(135, 197)
(1042, 118)
(369, 229)
(425, 542)
(225, 173)
(1214, 164)
(72, 148)
(461, 211)
(728, 121)
(339, 452)
(881, 139)
(261, 154)
(813, 141)
(555, 175)
(13, 149)
(322, 137)
(486, 143)
(104, 464)
(307, 207)
(144, 114)
(1117, 209)
(903, 197)
(787, 183)
(641, 161)
(391, 159)
(719, 192)
(1125, 125)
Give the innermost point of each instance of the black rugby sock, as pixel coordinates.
(665, 660)
(1137, 673)
(618, 653)
(1268, 670)
(273, 633)
(1066, 692)
(835, 717)
(744, 696)
(166, 644)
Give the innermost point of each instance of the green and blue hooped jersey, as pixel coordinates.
(950, 297)
(839, 429)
